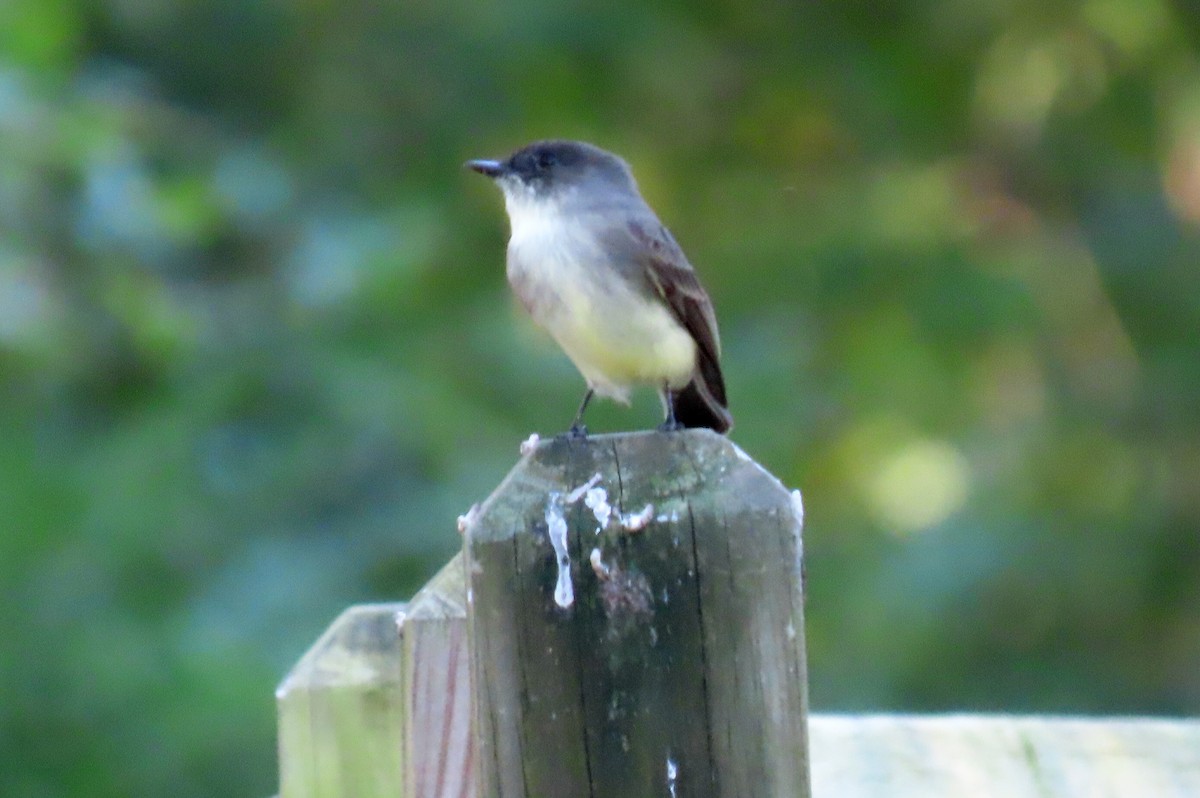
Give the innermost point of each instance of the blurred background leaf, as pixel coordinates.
(257, 352)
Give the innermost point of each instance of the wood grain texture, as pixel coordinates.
(677, 666)
(380, 706)
(347, 710)
(439, 741)
(341, 711)
(988, 756)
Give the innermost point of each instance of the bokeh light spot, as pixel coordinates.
(919, 485)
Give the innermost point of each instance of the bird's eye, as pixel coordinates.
(546, 159)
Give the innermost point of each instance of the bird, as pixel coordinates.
(593, 265)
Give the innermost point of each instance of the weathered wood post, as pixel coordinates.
(636, 612)
(675, 668)
(342, 712)
(380, 706)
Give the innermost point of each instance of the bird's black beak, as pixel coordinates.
(487, 168)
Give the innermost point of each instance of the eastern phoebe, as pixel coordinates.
(596, 268)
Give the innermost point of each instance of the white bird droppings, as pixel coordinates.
(556, 528)
(466, 519)
(597, 561)
(597, 501)
(556, 525)
(635, 522)
(578, 493)
(529, 444)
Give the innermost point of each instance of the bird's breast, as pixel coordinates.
(616, 331)
(547, 267)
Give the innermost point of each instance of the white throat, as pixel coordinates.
(533, 217)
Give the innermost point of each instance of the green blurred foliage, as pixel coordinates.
(257, 352)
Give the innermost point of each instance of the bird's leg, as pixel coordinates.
(670, 425)
(577, 429)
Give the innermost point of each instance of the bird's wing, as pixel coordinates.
(673, 278)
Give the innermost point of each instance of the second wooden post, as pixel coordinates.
(636, 613)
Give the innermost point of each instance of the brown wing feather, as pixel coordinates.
(676, 282)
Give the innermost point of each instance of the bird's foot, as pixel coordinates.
(670, 425)
(577, 432)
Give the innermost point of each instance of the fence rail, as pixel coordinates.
(629, 612)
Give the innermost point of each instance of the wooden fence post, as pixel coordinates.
(636, 611)
(342, 712)
(380, 706)
(665, 658)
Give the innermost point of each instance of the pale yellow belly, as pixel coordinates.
(616, 337)
(620, 341)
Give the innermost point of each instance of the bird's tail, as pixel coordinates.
(697, 406)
